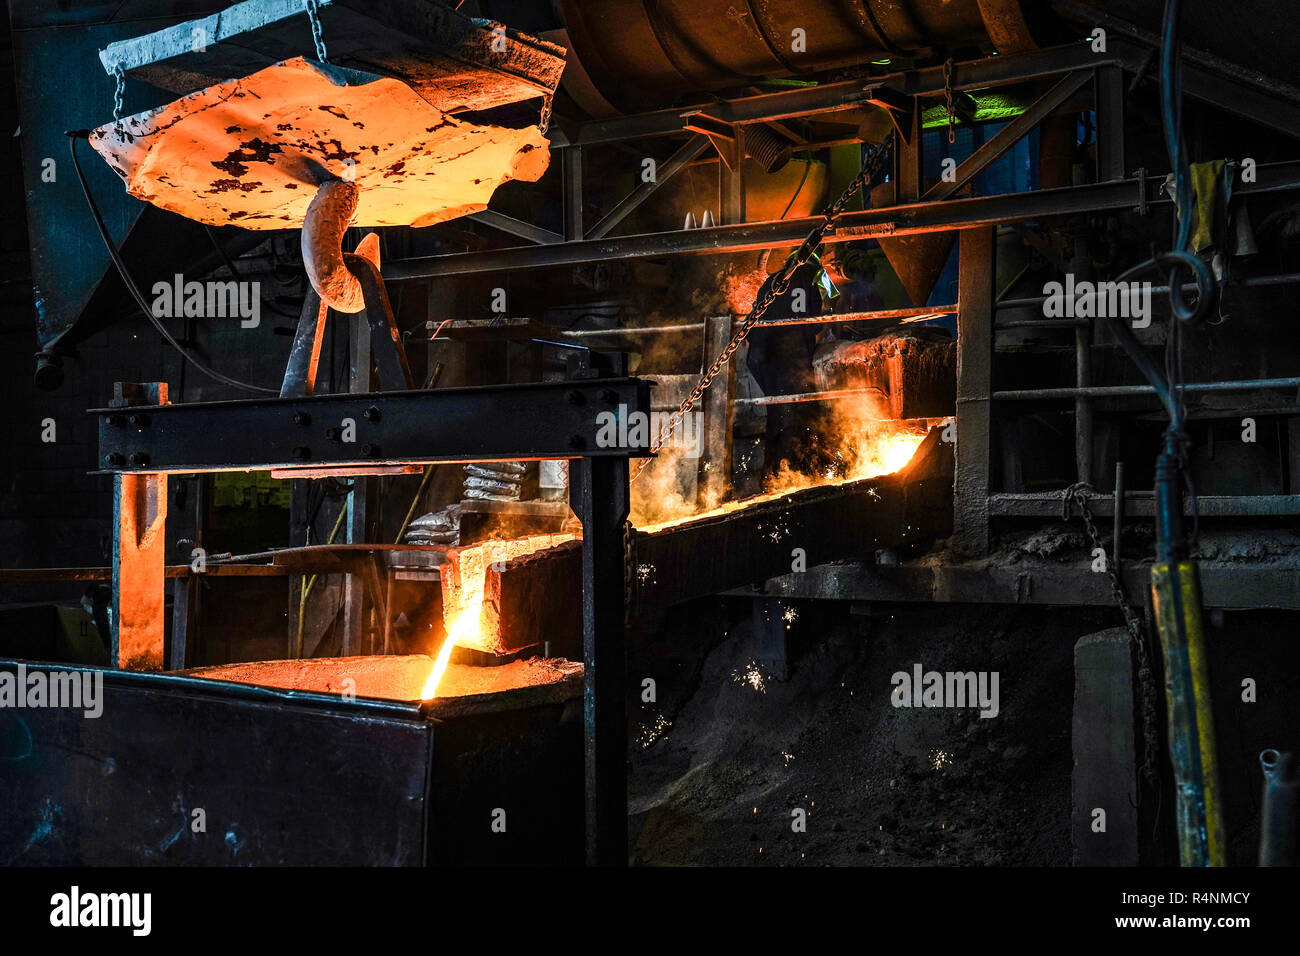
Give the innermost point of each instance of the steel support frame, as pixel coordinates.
(1216, 85)
(851, 94)
(488, 423)
(1009, 135)
(144, 443)
(1142, 192)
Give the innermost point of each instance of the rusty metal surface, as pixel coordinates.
(636, 51)
(1007, 26)
(252, 151)
(454, 61)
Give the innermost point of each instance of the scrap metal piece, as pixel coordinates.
(253, 151)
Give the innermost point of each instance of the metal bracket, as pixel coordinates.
(721, 134)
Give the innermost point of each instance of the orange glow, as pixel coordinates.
(467, 621)
(467, 608)
(863, 444)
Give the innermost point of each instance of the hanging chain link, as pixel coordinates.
(947, 93)
(629, 570)
(545, 122)
(119, 88)
(779, 286)
(1078, 495)
(317, 34)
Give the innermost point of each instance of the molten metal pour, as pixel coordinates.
(877, 448)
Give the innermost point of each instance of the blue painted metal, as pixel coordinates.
(62, 86)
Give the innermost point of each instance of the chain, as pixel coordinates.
(545, 122)
(1078, 494)
(119, 88)
(779, 286)
(629, 570)
(317, 34)
(947, 93)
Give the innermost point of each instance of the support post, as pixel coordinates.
(1110, 123)
(733, 184)
(354, 525)
(974, 385)
(1083, 421)
(183, 594)
(139, 547)
(599, 488)
(572, 172)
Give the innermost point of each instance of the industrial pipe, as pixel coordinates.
(1119, 391)
(633, 50)
(1253, 282)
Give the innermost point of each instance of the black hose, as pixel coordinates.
(136, 294)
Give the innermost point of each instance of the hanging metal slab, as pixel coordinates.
(456, 62)
(252, 151)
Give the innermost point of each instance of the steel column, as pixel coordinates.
(572, 193)
(354, 525)
(732, 182)
(1110, 123)
(974, 384)
(139, 545)
(600, 492)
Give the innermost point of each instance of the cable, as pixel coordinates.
(116, 256)
(1168, 384)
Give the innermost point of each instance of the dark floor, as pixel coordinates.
(726, 754)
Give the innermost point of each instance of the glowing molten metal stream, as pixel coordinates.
(462, 630)
(470, 624)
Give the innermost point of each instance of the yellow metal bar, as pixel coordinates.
(1176, 594)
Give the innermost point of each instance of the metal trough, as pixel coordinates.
(295, 774)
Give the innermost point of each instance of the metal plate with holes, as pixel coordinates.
(490, 423)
